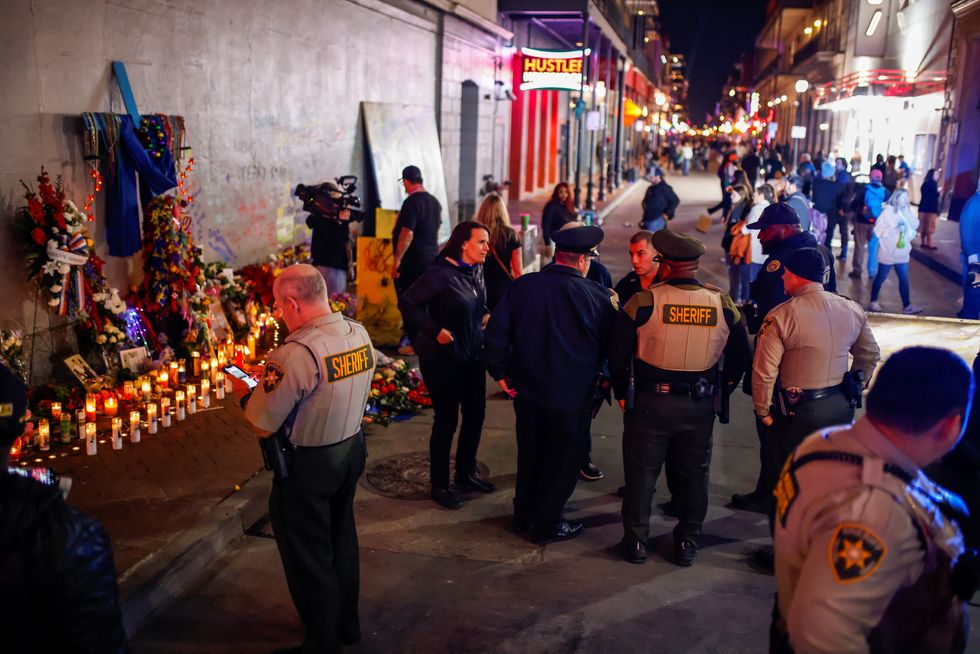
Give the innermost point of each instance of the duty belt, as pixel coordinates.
(816, 393)
(698, 390)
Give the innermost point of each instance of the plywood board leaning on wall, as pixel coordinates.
(377, 305)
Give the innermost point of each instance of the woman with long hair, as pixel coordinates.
(447, 306)
(559, 210)
(928, 208)
(741, 199)
(895, 229)
(504, 264)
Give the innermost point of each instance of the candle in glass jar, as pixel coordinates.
(196, 363)
(219, 386)
(134, 427)
(214, 369)
(174, 366)
(180, 405)
(228, 388)
(205, 369)
(146, 388)
(80, 418)
(91, 439)
(165, 411)
(111, 406)
(191, 398)
(205, 393)
(181, 373)
(129, 390)
(43, 435)
(151, 418)
(251, 345)
(164, 379)
(65, 428)
(116, 431)
(56, 411)
(222, 358)
(90, 408)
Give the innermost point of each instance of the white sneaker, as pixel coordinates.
(912, 310)
(874, 306)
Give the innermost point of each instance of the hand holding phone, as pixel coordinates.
(241, 375)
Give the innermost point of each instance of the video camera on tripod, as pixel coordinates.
(330, 198)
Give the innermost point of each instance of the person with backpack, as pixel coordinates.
(746, 248)
(659, 203)
(825, 191)
(875, 196)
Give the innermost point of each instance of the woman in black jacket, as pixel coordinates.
(559, 210)
(447, 305)
(928, 208)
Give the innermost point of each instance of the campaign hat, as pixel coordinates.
(674, 246)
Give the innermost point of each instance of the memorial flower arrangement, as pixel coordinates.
(343, 303)
(12, 352)
(396, 391)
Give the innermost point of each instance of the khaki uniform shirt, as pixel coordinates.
(806, 340)
(847, 538)
(319, 381)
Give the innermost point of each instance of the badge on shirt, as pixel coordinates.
(689, 314)
(786, 491)
(350, 363)
(272, 376)
(855, 553)
(773, 266)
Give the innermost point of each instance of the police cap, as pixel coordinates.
(806, 263)
(579, 240)
(674, 246)
(778, 213)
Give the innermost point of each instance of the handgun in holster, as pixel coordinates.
(631, 386)
(853, 387)
(276, 454)
(750, 310)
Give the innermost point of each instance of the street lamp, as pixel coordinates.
(801, 87)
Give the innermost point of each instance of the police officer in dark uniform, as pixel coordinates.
(544, 344)
(313, 391)
(665, 362)
(780, 234)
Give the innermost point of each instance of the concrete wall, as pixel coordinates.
(270, 93)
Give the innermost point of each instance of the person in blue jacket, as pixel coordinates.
(875, 196)
(970, 254)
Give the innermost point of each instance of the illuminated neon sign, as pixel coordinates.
(552, 69)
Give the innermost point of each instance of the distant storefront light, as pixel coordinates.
(551, 69)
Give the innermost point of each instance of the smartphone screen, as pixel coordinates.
(235, 371)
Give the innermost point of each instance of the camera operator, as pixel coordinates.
(58, 589)
(330, 246)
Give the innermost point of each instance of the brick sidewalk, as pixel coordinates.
(150, 491)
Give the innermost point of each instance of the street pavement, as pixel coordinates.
(434, 580)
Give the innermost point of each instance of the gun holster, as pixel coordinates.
(854, 387)
(277, 453)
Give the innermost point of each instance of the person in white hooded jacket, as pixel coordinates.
(895, 228)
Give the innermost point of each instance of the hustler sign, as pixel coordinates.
(551, 69)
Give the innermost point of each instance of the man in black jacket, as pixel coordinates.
(659, 203)
(58, 589)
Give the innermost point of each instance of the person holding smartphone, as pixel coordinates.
(311, 397)
(448, 306)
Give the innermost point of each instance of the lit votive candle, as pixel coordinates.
(180, 405)
(219, 386)
(91, 439)
(146, 388)
(196, 363)
(117, 440)
(134, 427)
(90, 408)
(222, 359)
(111, 406)
(251, 345)
(228, 388)
(129, 391)
(174, 367)
(43, 435)
(56, 411)
(181, 373)
(80, 418)
(165, 411)
(205, 393)
(164, 379)
(205, 369)
(214, 368)
(151, 418)
(191, 398)
(65, 428)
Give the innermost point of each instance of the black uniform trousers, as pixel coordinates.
(786, 433)
(550, 449)
(454, 388)
(312, 513)
(675, 429)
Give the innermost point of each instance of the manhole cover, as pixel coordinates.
(406, 476)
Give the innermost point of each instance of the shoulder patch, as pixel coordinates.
(786, 491)
(773, 265)
(765, 326)
(272, 376)
(855, 553)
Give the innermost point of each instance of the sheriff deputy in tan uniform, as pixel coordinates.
(314, 389)
(670, 338)
(867, 557)
(801, 357)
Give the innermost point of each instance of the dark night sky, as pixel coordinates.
(712, 34)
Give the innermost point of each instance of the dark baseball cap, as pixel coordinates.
(806, 263)
(13, 406)
(579, 240)
(411, 174)
(778, 213)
